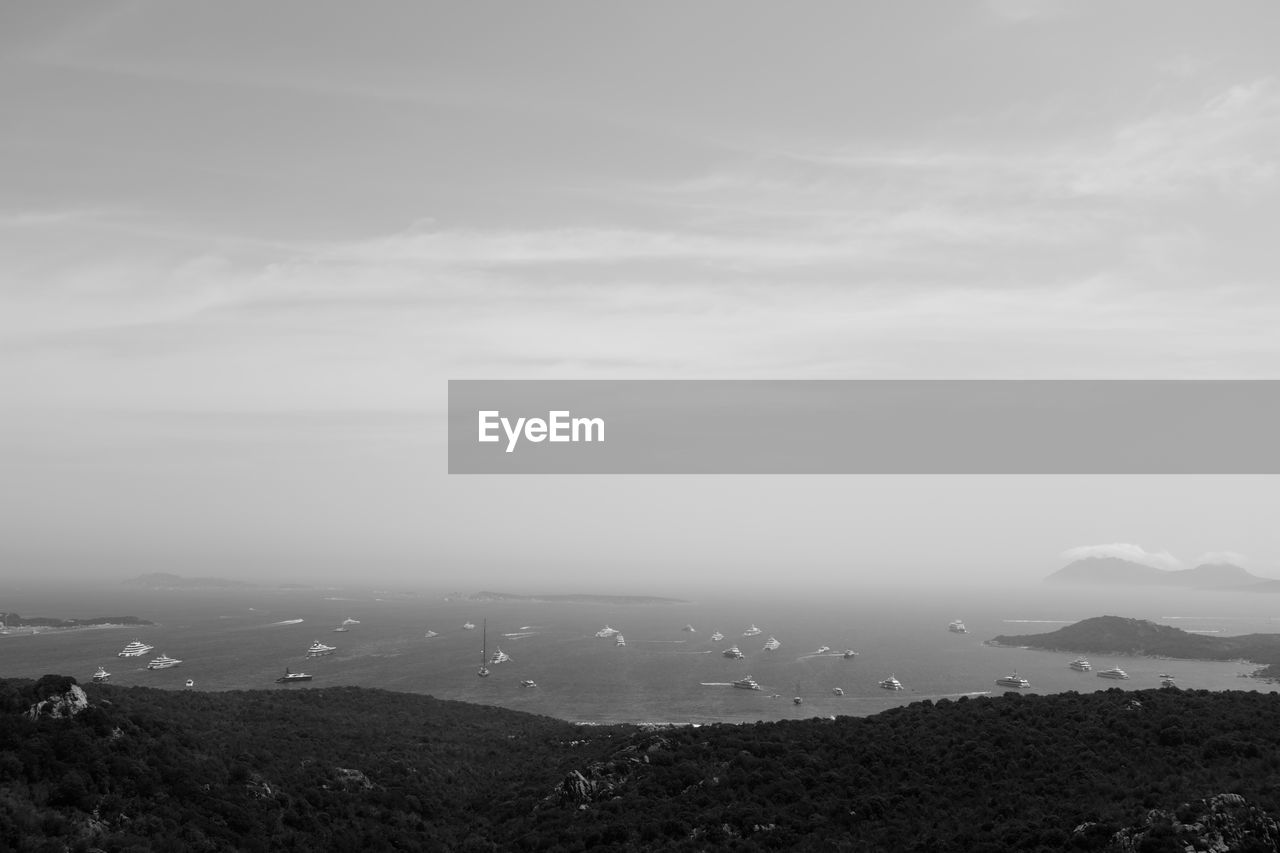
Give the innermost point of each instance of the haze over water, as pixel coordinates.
(244, 638)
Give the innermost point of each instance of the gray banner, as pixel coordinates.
(864, 427)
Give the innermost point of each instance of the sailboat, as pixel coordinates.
(483, 671)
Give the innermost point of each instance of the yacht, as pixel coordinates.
(101, 675)
(499, 656)
(291, 677)
(528, 682)
(957, 627)
(606, 631)
(1081, 665)
(822, 650)
(746, 683)
(717, 637)
(191, 683)
(1013, 680)
(838, 691)
(468, 626)
(752, 631)
(319, 649)
(891, 683)
(136, 649)
(621, 641)
(483, 671)
(430, 634)
(1167, 682)
(1114, 672)
(771, 644)
(733, 652)
(163, 662)
(689, 629)
(850, 653)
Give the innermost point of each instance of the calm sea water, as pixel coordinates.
(245, 639)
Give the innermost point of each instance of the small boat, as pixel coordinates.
(101, 675)
(1013, 680)
(468, 626)
(528, 682)
(319, 649)
(689, 629)
(850, 653)
(1165, 675)
(957, 627)
(136, 649)
(163, 662)
(822, 650)
(771, 644)
(1081, 665)
(891, 683)
(429, 635)
(350, 621)
(838, 691)
(291, 677)
(190, 683)
(746, 683)
(1114, 672)
(1167, 682)
(796, 699)
(752, 631)
(732, 652)
(341, 629)
(606, 631)
(717, 637)
(621, 641)
(483, 671)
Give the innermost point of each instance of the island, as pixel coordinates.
(169, 581)
(11, 622)
(1121, 635)
(575, 599)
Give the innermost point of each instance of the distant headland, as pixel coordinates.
(1120, 635)
(1116, 571)
(575, 599)
(10, 622)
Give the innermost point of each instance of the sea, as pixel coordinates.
(244, 638)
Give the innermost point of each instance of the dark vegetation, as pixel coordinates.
(1117, 634)
(360, 769)
(13, 620)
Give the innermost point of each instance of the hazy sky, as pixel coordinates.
(244, 245)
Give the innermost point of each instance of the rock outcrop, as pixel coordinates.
(1218, 824)
(61, 705)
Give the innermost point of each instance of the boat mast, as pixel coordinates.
(484, 650)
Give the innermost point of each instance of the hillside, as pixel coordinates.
(350, 768)
(1117, 634)
(1114, 571)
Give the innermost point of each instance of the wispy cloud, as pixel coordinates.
(1127, 551)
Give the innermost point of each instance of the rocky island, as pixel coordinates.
(1121, 635)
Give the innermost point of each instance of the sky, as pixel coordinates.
(243, 247)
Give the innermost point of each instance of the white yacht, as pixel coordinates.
(1113, 672)
(1013, 680)
(621, 641)
(733, 652)
(499, 656)
(430, 634)
(689, 629)
(528, 682)
(838, 691)
(822, 650)
(319, 649)
(291, 677)
(606, 631)
(746, 683)
(101, 675)
(850, 653)
(752, 631)
(717, 637)
(1168, 682)
(468, 626)
(771, 644)
(136, 649)
(191, 683)
(891, 683)
(957, 627)
(1081, 665)
(163, 662)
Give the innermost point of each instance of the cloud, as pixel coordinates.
(1126, 551)
(1218, 557)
